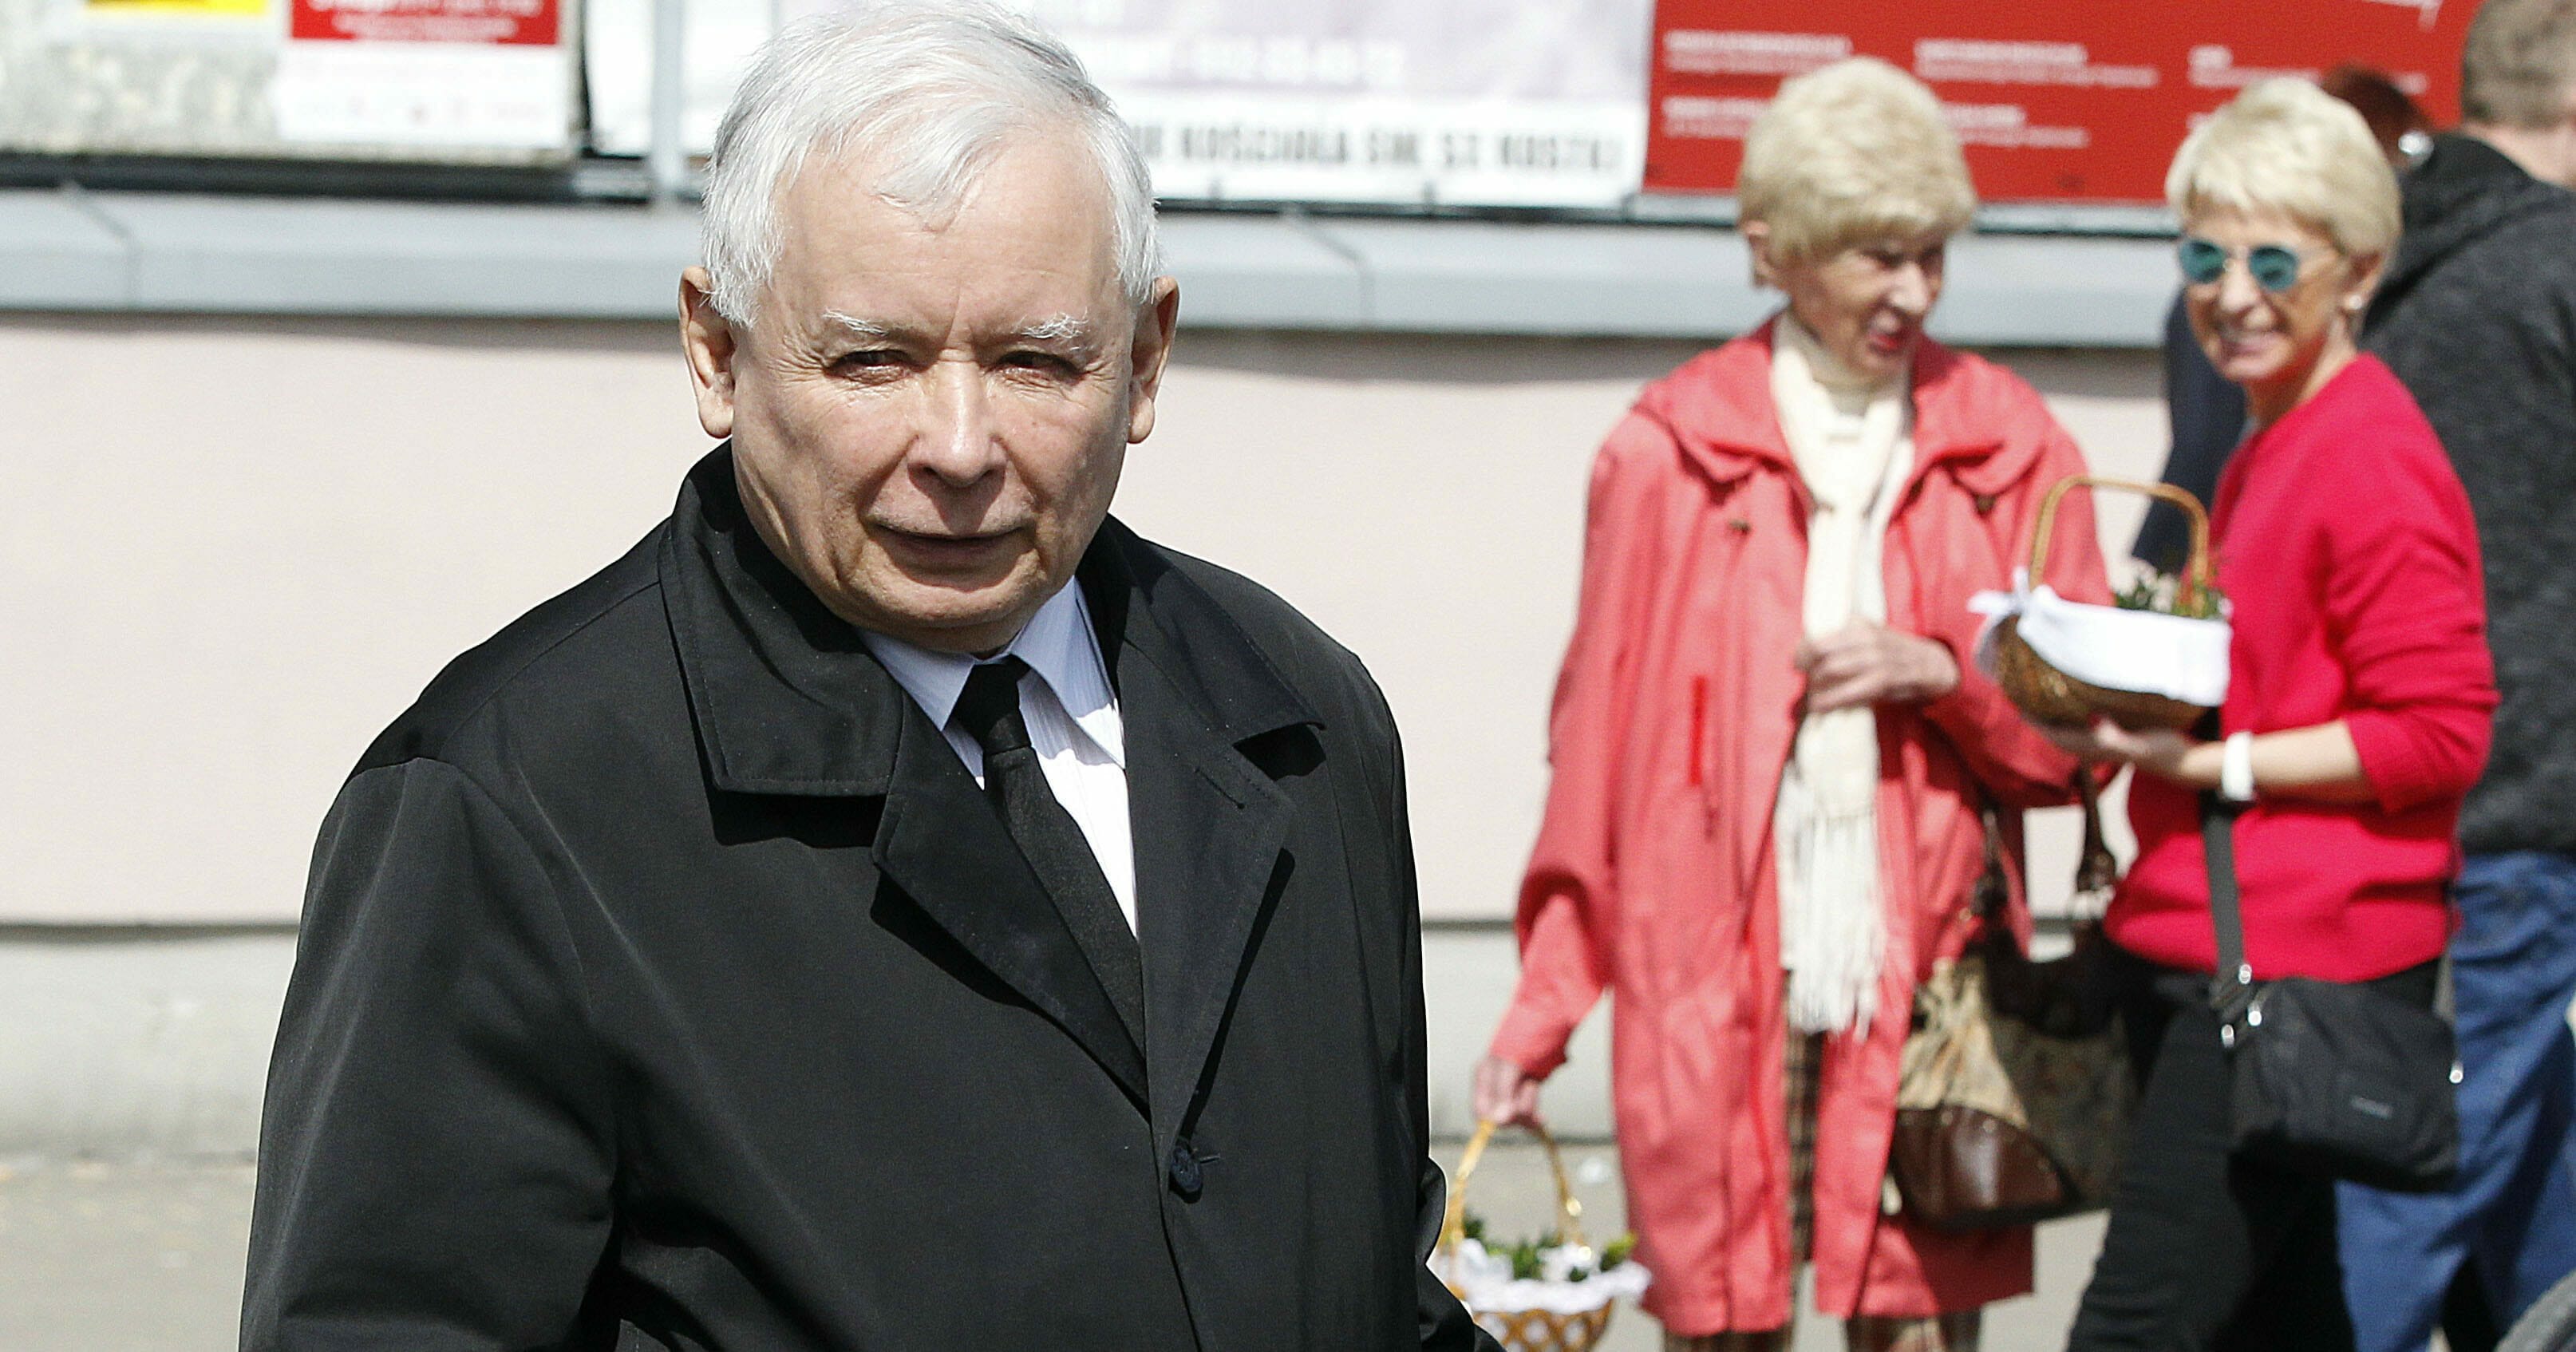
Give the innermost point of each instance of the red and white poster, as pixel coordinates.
(515, 22)
(427, 74)
(2068, 102)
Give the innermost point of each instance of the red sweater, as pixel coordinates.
(2346, 545)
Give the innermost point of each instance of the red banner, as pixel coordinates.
(515, 22)
(2054, 102)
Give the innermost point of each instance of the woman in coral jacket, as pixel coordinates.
(1772, 750)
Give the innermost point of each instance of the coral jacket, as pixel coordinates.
(1653, 875)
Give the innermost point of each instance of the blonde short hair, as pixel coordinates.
(1849, 153)
(2285, 146)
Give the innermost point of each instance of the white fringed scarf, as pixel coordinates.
(1852, 439)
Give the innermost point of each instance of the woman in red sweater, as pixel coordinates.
(2356, 719)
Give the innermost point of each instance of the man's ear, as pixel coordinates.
(1156, 320)
(707, 339)
(1757, 242)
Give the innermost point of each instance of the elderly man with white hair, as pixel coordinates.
(895, 906)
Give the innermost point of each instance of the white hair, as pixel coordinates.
(928, 94)
(1849, 153)
(2286, 146)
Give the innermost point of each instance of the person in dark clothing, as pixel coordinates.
(895, 907)
(2205, 410)
(2478, 319)
(2207, 413)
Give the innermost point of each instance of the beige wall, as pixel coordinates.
(240, 548)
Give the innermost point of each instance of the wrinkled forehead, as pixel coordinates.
(1023, 236)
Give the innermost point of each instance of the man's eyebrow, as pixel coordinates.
(1055, 329)
(855, 326)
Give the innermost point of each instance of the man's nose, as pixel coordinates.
(955, 439)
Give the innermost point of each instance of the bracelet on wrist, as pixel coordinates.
(2236, 768)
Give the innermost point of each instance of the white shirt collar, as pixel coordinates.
(1061, 649)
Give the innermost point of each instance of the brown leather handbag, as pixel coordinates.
(2015, 1091)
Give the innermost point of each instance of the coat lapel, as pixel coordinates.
(941, 842)
(1208, 822)
(1208, 828)
(789, 702)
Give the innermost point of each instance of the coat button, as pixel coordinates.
(1184, 1171)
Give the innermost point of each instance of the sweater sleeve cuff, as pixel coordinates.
(2400, 775)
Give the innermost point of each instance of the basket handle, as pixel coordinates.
(2195, 571)
(1453, 1225)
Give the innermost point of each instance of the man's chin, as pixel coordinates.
(954, 617)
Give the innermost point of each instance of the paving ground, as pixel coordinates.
(126, 1259)
(131, 1258)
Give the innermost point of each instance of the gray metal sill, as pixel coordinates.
(77, 250)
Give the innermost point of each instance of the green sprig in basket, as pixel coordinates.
(1534, 1330)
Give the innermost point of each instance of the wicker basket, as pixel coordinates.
(2051, 696)
(1522, 1330)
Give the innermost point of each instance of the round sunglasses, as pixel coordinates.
(2274, 267)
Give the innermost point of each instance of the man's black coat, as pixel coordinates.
(666, 982)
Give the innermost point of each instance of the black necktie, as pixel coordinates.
(1057, 852)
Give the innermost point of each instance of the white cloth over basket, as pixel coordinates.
(1485, 1282)
(2136, 650)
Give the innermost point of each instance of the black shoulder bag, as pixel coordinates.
(2326, 1076)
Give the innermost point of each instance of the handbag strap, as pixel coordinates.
(2231, 988)
(1992, 891)
(2097, 870)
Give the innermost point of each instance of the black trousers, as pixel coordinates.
(2204, 1250)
